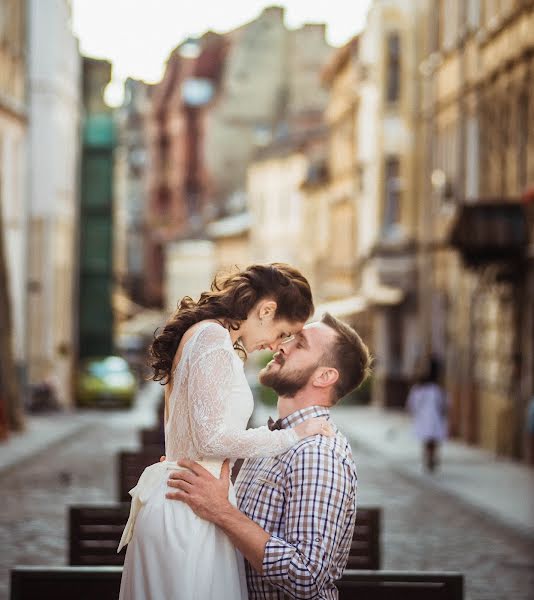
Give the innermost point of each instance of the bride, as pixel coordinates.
(172, 553)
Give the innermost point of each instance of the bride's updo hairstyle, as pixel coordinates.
(230, 301)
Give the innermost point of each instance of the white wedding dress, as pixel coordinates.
(172, 553)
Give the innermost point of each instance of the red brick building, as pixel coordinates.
(176, 177)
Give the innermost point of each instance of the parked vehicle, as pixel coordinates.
(134, 349)
(106, 382)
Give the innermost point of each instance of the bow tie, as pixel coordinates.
(274, 425)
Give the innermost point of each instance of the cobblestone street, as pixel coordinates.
(427, 530)
(35, 495)
(423, 529)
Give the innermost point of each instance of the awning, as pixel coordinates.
(230, 226)
(343, 308)
(384, 295)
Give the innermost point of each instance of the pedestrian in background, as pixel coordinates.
(428, 403)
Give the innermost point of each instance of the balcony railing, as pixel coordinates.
(490, 230)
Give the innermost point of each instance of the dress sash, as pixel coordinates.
(148, 482)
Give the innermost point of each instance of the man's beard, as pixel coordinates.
(286, 384)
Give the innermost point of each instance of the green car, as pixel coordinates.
(106, 382)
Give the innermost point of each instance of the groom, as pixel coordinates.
(297, 510)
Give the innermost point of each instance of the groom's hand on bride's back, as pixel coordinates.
(199, 489)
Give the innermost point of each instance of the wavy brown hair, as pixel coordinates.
(230, 300)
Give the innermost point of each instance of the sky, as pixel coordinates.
(138, 35)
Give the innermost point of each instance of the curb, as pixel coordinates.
(45, 446)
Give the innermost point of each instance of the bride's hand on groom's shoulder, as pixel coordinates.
(205, 494)
(315, 426)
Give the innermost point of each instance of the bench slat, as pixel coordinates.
(96, 530)
(400, 585)
(65, 583)
(365, 546)
(130, 467)
(152, 437)
(87, 583)
(91, 542)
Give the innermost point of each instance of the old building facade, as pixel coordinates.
(177, 180)
(337, 269)
(475, 264)
(222, 98)
(131, 191)
(231, 241)
(386, 206)
(269, 87)
(13, 129)
(54, 86)
(275, 200)
(251, 94)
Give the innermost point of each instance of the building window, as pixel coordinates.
(163, 200)
(164, 153)
(472, 157)
(360, 176)
(392, 192)
(393, 67)
(522, 139)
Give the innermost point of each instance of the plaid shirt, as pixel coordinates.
(306, 499)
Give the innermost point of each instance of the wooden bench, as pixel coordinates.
(132, 464)
(152, 438)
(95, 532)
(400, 585)
(161, 407)
(365, 546)
(65, 583)
(130, 467)
(88, 583)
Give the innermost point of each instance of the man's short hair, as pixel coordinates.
(349, 355)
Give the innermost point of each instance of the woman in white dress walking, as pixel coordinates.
(172, 553)
(427, 402)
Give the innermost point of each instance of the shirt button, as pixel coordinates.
(317, 539)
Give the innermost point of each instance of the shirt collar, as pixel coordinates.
(302, 415)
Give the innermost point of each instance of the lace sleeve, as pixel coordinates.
(210, 383)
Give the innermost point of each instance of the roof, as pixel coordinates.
(338, 60)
